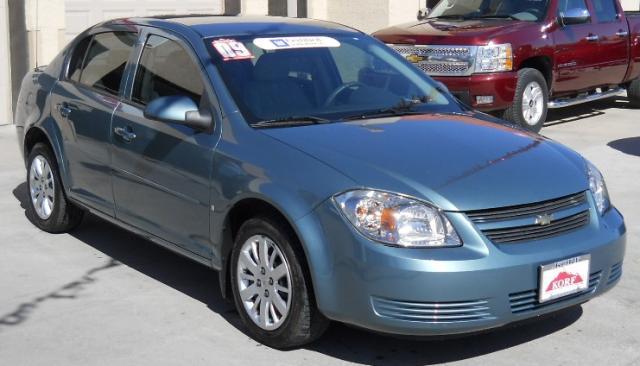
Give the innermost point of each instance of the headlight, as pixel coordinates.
(397, 220)
(494, 58)
(598, 188)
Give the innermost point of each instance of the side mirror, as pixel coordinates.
(423, 13)
(574, 16)
(178, 109)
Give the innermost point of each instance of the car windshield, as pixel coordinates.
(319, 79)
(526, 10)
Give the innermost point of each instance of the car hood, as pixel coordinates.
(451, 32)
(456, 161)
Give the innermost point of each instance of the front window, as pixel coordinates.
(327, 77)
(525, 10)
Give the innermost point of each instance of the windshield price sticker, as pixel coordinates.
(284, 43)
(231, 49)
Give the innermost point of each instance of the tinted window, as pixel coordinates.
(566, 5)
(166, 70)
(106, 59)
(606, 10)
(75, 64)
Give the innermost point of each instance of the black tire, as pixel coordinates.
(64, 215)
(304, 323)
(515, 113)
(633, 93)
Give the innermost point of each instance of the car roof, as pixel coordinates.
(208, 25)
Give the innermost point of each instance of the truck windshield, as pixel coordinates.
(319, 79)
(525, 10)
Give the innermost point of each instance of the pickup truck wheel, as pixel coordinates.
(529, 108)
(48, 207)
(271, 289)
(633, 93)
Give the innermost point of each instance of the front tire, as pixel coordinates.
(633, 93)
(271, 288)
(530, 104)
(48, 207)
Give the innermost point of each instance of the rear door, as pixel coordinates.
(162, 171)
(613, 33)
(83, 102)
(576, 56)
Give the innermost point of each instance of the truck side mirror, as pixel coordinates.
(574, 16)
(423, 13)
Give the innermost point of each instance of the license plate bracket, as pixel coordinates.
(564, 278)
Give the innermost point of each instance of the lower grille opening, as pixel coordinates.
(433, 312)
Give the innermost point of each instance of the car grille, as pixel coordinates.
(440, 60)
(522, 302)
(615, 273)
(433, 312)
(521, 223)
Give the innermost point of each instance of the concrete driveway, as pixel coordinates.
(102, 296)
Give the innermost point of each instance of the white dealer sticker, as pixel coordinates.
(230, 49)
(564, 278)
(284, 43)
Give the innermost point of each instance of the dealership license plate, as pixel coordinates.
(564, 278)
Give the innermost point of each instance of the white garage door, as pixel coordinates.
(81, 14)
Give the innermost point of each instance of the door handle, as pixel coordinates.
(592, 37)
(622, 33)
(64, 110)
(126, 134)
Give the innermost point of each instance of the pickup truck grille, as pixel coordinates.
(440, 60)
(533, 221)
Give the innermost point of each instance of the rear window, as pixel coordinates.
(77, 57)
(106, 59)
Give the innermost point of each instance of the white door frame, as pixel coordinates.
(6, 113)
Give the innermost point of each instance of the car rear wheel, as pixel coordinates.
(633, 93)
(529, 108)
(48, 207)
(271, 289)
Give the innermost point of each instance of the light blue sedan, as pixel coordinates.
(320, 172)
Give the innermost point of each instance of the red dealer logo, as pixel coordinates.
(564, 279)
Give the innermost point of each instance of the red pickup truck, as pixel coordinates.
(521, 57)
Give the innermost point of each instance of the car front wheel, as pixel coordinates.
(529, 108)
(48, 207)
(271, 289)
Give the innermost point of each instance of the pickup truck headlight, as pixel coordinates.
(494, 58)
(394, 219)
(598, 188)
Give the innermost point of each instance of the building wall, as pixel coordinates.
(5, 70)
(631, 4)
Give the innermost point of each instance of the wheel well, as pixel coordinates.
(32, 137)
(542, 64)
(241, 212)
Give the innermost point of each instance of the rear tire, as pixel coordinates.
(633, 93)
(296, 321)
(529, 108)
(47, 206)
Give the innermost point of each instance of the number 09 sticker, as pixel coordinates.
(231, 49)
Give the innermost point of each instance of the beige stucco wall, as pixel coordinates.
(45, 26)
(366, 15)
(631, 4)
(255, 7)
(5, 70)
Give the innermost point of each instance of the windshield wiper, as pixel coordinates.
(291, 121)
(404, 108)
(496, 16)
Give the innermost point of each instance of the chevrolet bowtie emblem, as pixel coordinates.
(544, 220)
(414, 58)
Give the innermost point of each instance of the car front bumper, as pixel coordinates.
(426, 292)
(501, 86)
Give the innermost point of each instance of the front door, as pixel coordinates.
(162, 171)
(576, 56)
(83, 103)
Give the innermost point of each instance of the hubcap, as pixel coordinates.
(42, 187)
(532, 103)
(264, 281)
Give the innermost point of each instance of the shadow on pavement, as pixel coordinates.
(630, 145)
(341, 342)
(584, 111)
